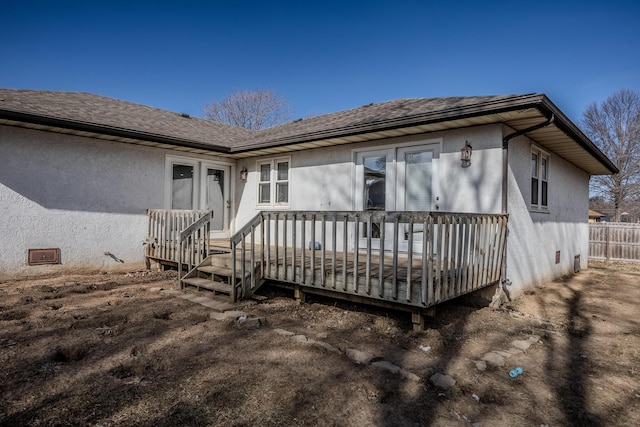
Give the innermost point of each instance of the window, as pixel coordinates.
(273, 180)
(539, 179)
(182, 186)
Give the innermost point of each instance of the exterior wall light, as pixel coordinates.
(465, 154)
(243, 174)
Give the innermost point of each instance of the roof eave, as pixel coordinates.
(562, 122)
(532, 101)
(106, 130)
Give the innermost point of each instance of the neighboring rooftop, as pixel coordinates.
(108, 118)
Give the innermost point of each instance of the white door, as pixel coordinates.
(375, 184)
(216, 197)
(396, 179)
(415, 185)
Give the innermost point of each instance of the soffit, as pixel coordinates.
(552, 138)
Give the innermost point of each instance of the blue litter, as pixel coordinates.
(515, 372)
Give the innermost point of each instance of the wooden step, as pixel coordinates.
(223, 271)
(224, 260)
(211, 285)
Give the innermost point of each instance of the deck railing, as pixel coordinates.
(412, 258)
(178, 236)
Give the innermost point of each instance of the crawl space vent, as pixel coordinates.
(44, 256)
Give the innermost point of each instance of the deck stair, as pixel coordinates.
(215, 274)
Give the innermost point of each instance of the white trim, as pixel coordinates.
(199, 184)
(395, 166)
(433, 143)
(273, 180)
(168, 178)
(542, 154)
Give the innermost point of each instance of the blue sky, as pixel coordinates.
(323, 56)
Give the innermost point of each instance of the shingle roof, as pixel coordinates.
(114, 115)
(369, 117)
(78, 112)
(104, 113)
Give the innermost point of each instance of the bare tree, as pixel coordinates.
(614, 126)
(257, 109)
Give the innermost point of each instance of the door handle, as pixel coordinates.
(228, 204)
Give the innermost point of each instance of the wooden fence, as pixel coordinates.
(612, 241)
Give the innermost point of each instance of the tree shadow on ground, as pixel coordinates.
(567, 375)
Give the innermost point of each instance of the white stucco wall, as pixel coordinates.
(535, 237)
(477, 188)
(88, 196)
(323, 179)
(81, 195)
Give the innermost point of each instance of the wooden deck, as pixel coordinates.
(452, 254)
(376, 278)
(429, 257)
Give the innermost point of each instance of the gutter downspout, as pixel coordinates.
(505, 178)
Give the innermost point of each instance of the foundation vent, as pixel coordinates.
(44, 256)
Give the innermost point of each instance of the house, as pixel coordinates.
(595, 216)
(79, 173)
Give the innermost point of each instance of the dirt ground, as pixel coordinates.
(110, 350)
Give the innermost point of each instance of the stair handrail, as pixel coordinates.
(239, 238)
(199, 249)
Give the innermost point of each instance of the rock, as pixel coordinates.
(525, 344)
(326, 346)
(522, 345)
(300, 339)
(409, 376)
(250, 322)
(387, 366)
(359, 357)
(504, 354)
(494, 359)
(515, 351)
(227, 315)
(444, 382)
(283, 332)
(481, 365)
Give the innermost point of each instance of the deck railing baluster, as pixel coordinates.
(303, 239)
(276, 243)
(333, 253)
(356, 247)
(409, 261)
(313, 250)
(381, 261)
(394, 271)
(323, 241)
(368, 267)
(285, 247)
(345, 251)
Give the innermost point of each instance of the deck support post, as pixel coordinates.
(418, 321)
(299, 294)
